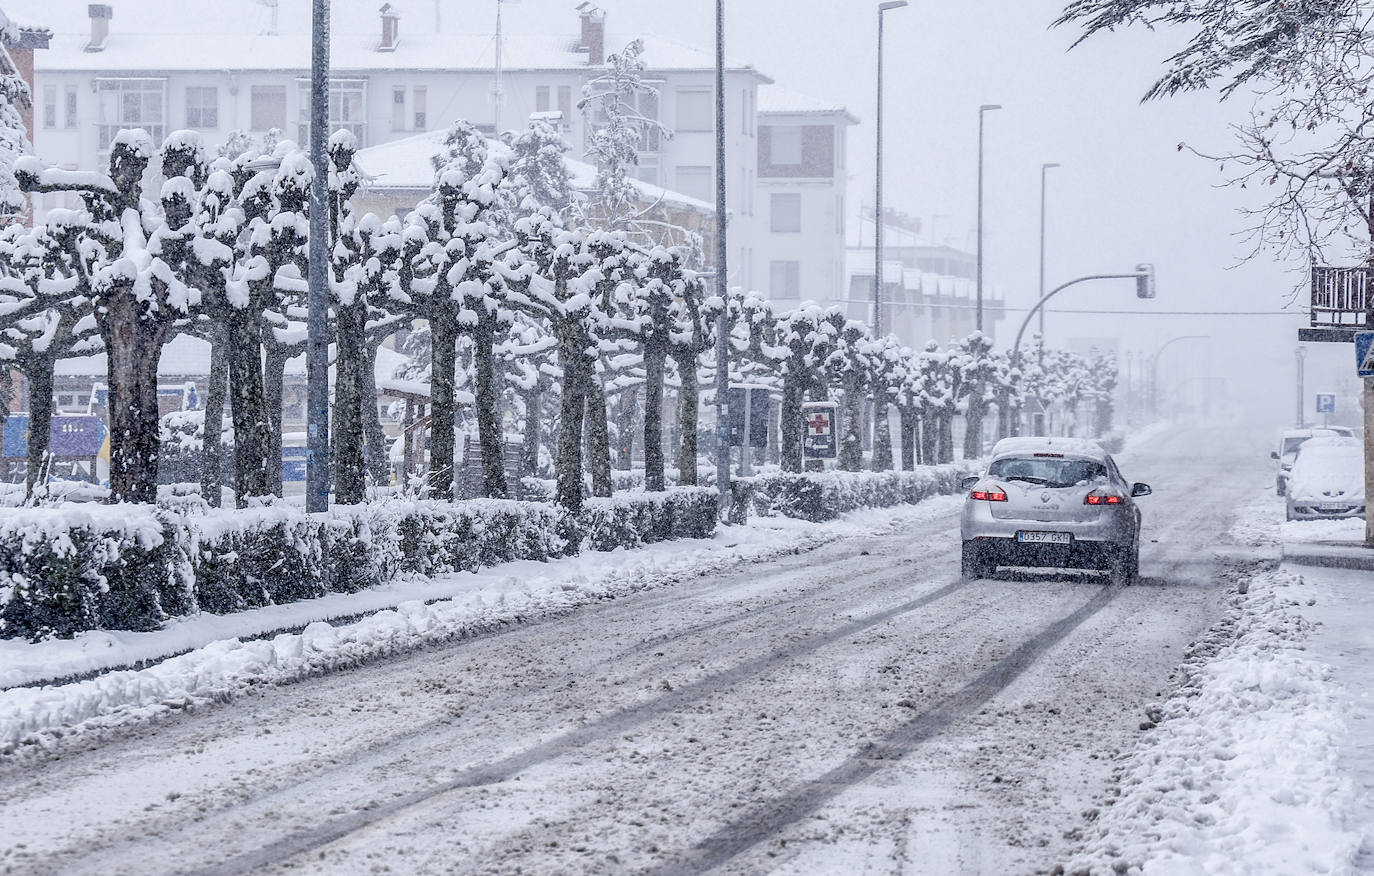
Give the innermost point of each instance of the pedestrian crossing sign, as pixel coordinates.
(1364, 353)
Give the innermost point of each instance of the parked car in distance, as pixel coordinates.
(1289, 443)
(1051, 502)
(1327, 480)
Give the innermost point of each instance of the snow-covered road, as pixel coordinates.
(853, 708)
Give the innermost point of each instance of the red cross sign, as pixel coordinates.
(819, 424)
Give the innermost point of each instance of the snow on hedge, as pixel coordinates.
(823, 496)
(65, 570)
(1240, 775)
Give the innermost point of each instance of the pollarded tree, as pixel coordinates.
(138, 298)
(804, 339)
(14, 139)
(888, 371)
(935, 398)
(1101, 391)
(977, 388)
(850, 364)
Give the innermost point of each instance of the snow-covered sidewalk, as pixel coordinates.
(1263, 760)
(209, 657)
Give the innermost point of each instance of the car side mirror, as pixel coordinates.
(1140, 490)
(1273, 454)
(967, 483)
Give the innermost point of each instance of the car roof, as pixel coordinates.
(1325, 441)
(1080, 447)
(1309, 433)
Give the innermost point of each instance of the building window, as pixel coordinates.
(267, 108)
(398, 108)
(785, 145)
(647, 170)
(202, 107)
(417, 101)
(785, 212)
(565, 105)
(131, 103)
(347, 108)
(541, 99)
(784, 280)
(50, 106)
(696, 182)
(695, 110)
(69, 108)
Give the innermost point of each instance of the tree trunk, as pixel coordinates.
(908, 429)
(626, 413)
(489, 433)
(212, 462)
(378, 459)
(791, 422)
(655, 360)
(882, 434)
(134, 347)
(350, 481)
(534, 420)
(690, 413)
(598, 436)
(252, 432)
(40, 376)
(929, 438)
(973, 437)
(851, 444)
(442, 443)
(273, 388)
(946, 447)
(572, 405)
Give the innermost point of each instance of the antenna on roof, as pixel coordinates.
(271, 4)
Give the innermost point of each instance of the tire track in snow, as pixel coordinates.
(615, 723)
(766, 821)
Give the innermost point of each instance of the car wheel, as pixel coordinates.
(1289, 514)
(1125, 568)
(973, 564)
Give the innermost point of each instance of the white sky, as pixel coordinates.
(1124, 194)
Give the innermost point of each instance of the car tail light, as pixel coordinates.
(988, 495)
(1096, 498)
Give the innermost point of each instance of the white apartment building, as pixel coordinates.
(392, 83)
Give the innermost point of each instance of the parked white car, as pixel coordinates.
(1289, 444)
(1327, 480)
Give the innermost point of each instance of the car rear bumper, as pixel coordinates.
(1076, 555)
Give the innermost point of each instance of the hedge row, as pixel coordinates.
(68, 569)
(824, 496)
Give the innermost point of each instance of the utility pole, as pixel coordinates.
(1043, 169)
(317, 326)
(722, 278)
(1300, 354)
(982, 110)
(878, 179)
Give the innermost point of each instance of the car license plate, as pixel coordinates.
(1332, 508)
(1044, 537)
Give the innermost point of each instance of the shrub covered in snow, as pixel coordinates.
(823, 496)
(64, 570)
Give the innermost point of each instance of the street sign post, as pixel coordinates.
(749, 420)
(1364, 353)
(820, 434)
(1326, 402)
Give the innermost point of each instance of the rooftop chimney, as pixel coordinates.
(391, 25)
(593, 40)
(100, 14)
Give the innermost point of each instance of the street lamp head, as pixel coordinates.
(892, 4)
(1050, 164)
(989, 106)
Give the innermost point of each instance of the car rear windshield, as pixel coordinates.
(1047, 471)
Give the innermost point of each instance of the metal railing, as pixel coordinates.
(1340, 296)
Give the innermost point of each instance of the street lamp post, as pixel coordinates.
(1301, 354)
(878, 177)
(317, 331)
(1154, 367)
(722, 282)
(981, 111)
(1043, 169)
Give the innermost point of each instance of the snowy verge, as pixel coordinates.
(1347, 531)
(1240, 774)
(222, 664)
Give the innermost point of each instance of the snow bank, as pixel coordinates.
(1241, 773)
(1350, 529)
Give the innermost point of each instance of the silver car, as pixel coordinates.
(1052, 502)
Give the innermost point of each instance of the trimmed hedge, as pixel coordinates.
(822, 496)
(64, 570)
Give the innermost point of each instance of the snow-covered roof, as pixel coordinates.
(776, 99)
(406, 165)
(859, 263)
(1068, 446)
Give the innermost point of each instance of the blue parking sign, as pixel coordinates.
(1326, 402)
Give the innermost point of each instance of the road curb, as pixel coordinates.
(1332, 556)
